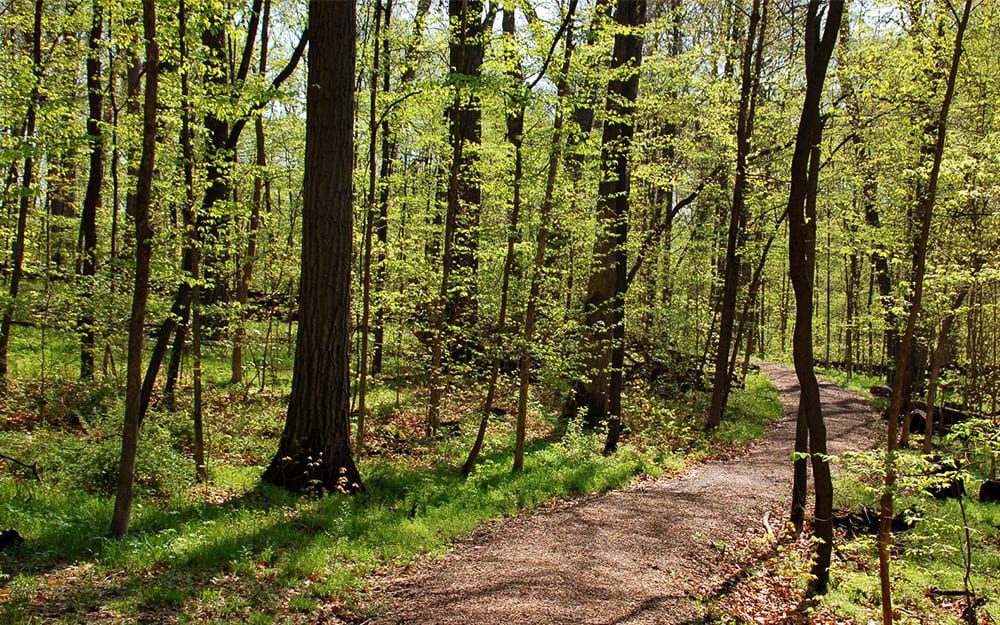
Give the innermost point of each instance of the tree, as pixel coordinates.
(314, 451)
(140, 293)
(457, 306)
(801, 264)
(92, 199)
(27, 196)
(924, 210)
(604, 304)
(750, 72)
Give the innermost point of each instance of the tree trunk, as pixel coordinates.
(246, 270)
(92, 199)
(389, 152)
(466, 52)
(604, 302)
(800, 474)
(925, 210)
(937, 362)
(802, 263)
(27, 197)
(366, 258)
(201, 472)
(314, 451)
(515, 129)
(737, 216)
(143, 253)
(216, 190)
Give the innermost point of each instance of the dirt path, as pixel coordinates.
(648, 555)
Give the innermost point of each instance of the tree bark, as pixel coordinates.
(314, 451)
(737, 216)
(924, 211)
(140, 295)
(27, 197)
(802, 263)
(92, 198)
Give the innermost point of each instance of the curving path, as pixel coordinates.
(646, 555)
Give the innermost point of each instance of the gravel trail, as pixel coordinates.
(640, 556)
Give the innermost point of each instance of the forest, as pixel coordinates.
(307, 305)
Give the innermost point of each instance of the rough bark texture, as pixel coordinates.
(314, 451)
(802, 262)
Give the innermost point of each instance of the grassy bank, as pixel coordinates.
(234, 550)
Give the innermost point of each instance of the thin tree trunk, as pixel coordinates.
(800, 474)
(366, 269)
(246, 271)
(389, 154)
(938, 361)
(605, 292)
(143, 252)
(187, 212)
(802, 263)
(925, 209)
(201, 472)
(466, 51)
(462, 190)
(515, 129)
(216, 189)
(613, 193)
(737, 216)
(27, 197)
(92, 198)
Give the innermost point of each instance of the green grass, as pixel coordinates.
(928, 556)
(857, 382)
(237, 550)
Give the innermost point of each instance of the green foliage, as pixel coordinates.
(928, 557)
(225, 550)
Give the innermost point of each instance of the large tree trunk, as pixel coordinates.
(802, 263)
(92, 198)
(924, 211)
(140, 295)
(315, 451)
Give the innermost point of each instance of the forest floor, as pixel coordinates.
(674, 550)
